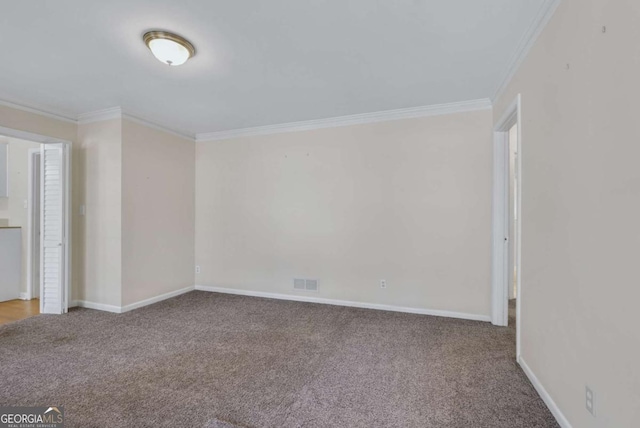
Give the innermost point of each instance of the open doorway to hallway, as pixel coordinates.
(20, 216)
(55, 221)
(506, 284)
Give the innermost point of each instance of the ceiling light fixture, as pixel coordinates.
(169, 48)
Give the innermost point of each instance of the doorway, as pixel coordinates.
(47, 235)
(15, 216)
(507, 220)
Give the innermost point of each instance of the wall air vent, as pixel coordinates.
(305, 284)
(311, 284)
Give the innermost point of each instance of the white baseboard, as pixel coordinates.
(377, 306)
(156, 299)
(553, 407)
(24, 296)
(121, 309)
(97, 306)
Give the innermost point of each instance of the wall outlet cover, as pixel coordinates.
(590, 400)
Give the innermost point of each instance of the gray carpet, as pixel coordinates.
(212, 360)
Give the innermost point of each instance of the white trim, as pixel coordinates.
(32, 242)
(152, 125)
(527, 41)
(97, 306)
(29, 136)
(553, 407)
(132, 306)
(65, 165)
(356, 119)
(156, 299)
(500, 221)
(118, 113)
(41, 111)
(68, 212)
(24, 296)
(518, 232)
(100, 115)
(351, 304)
(94, 116)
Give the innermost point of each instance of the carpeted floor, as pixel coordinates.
(212, 360)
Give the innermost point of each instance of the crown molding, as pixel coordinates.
(153, 125)
(527, 41)
(118, 113)
(356, 119)
(95, 116)
(100, 115)
(39, 110)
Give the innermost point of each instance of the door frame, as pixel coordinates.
(501, 216)
(33, 243)
(43, 139)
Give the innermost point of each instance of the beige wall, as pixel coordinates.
(100, 231)
(137, 235)
(581, 190)
(37, 124)
(158, 191)
(136, 239)
(407, 201)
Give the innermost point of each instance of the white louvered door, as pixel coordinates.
(53, 245)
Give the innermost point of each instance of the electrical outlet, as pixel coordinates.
(383, 283)
(590, 400)
(197, 269)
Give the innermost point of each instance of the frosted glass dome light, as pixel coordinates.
(169, 48)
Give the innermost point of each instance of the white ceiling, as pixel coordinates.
(257, 62)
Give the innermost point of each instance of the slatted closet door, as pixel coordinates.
(53, 235)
